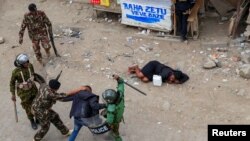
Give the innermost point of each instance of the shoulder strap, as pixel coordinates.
(21, 72)
(30, 72)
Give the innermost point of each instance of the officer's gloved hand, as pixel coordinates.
(116, 77)
(13, 98)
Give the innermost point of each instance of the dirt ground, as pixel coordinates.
(105, 47)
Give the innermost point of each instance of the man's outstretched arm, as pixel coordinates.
(22, 30)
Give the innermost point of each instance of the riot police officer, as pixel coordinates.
(22, 81)
(115, 107)
(39, 26)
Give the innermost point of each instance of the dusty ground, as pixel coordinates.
(167, 113)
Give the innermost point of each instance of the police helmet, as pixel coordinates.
(21, 59)
(110, 96)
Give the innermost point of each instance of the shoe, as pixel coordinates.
(33, 124)
(69, 133)
(37, 121)
(183, 39)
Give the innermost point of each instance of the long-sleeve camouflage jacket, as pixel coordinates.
(25, 95)
(37, 23)
(45, 100)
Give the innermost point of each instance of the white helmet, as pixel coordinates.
(21, 59)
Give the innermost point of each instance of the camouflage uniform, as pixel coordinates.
(42, 108)
(37, 23)
(27, 93)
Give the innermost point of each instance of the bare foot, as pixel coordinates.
(132, 69)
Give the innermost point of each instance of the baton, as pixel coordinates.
(15, 109)
(58, 76)
(130, 85)
(135, 88)
(53, 44)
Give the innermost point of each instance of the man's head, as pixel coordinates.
(88, 88)
(177, 74)
(175, 77)
(32, 7)
(54, 84)
(110, 96)
(22, 60)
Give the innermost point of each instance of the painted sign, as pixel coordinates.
(147, 13)
(100, 129)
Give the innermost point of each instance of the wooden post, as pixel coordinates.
(241, 10)
(174, 17)
(235, 25)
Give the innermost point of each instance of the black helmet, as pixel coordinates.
(32, 7)
(110, 96)
(54, 84)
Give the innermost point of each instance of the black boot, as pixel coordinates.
(37, 121)
(33, 124)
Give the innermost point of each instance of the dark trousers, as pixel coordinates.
(182, 27)
(45, 120)
(115, 131)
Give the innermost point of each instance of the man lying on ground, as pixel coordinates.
(167, 74)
